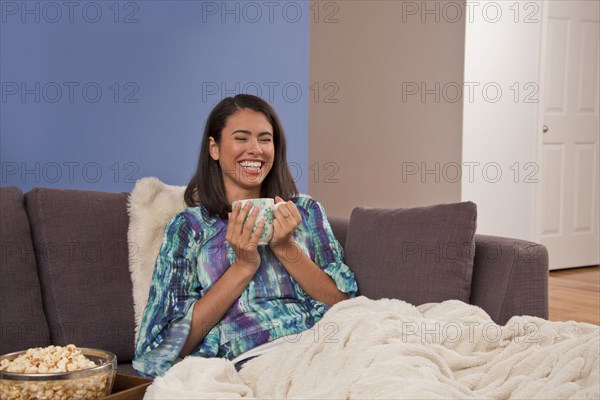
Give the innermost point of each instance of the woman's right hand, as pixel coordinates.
(240, 238)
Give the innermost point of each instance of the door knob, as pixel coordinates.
(545, 128)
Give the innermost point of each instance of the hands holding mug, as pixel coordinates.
(254, 222)
(287, 219)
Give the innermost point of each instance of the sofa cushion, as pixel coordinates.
(418, 255)
(80, 240)
(22, 320)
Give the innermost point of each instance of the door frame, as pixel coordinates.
(539, 138)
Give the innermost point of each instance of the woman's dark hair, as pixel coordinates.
(206, 186)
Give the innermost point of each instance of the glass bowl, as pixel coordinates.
(90, 383)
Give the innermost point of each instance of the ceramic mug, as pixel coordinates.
(266, 210)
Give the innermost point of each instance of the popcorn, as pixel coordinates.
(52, 359)
(48, 360)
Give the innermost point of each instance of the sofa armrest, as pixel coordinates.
(510, 277)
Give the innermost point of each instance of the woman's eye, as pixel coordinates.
(265, 140)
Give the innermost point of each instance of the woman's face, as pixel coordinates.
(245, 154)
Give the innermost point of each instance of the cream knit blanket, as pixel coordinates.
(368, 349)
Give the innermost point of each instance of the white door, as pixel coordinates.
(568, 194)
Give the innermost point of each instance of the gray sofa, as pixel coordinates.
(64, 275)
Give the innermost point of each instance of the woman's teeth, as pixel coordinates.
(251, 164)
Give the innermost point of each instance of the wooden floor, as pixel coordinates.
(574, 294)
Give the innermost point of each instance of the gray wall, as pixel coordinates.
(360, 145)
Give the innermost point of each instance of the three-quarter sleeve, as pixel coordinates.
(329, 253)
(166, 321)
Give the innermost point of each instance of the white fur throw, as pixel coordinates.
(151, 206)
(374, 349)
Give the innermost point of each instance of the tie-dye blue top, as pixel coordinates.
(193, 256)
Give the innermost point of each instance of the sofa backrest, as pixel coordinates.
(80, 240)
(339, 226)
(22, 320)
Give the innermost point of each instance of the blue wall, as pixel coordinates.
(96, 95)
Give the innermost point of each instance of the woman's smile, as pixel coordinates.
(252, 167)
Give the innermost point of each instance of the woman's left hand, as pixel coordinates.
(287, 219)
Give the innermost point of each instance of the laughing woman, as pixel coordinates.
(215, 292)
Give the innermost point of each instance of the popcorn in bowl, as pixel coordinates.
(57, 372)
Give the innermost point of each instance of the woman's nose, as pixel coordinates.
(254, 147)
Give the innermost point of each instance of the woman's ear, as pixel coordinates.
(213, 148)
